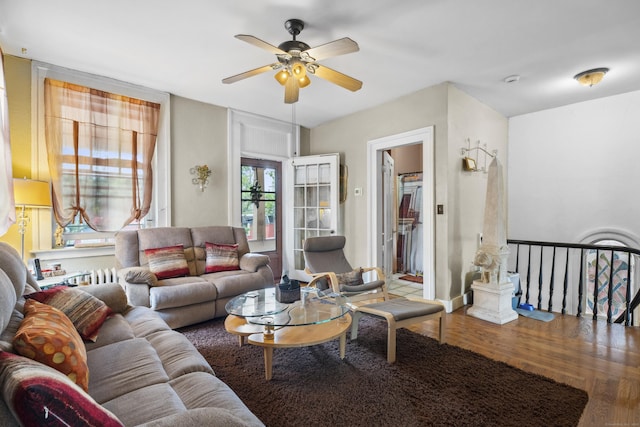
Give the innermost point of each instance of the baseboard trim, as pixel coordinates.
(453, 304)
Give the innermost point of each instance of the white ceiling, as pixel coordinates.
(187, 47)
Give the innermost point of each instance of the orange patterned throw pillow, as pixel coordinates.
(167, 262)
(86, 312)
(48, 336)
(221, 257)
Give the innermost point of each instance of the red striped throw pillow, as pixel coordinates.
(86, 312)
(39, 395)
(221, 257)
(167, 262)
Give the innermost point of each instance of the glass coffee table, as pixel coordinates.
(316, 318)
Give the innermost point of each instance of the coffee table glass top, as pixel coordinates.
(256, 303)
(262, 308)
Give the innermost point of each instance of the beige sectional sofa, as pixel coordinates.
(197, 296)
(140, 370)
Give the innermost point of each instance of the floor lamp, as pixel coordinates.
(29, 193)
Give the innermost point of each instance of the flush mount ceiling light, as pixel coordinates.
(512, 79)
(591, 77)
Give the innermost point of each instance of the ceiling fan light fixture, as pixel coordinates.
(282, 76)
(298, 70)
(304, 81)
(591, 77)
(296, 60)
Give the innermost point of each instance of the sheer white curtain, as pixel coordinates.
(100, 147)
(7, 203)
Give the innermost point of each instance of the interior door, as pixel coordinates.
(314, 202)
(389, 217)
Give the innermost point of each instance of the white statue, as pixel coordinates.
(493, 252)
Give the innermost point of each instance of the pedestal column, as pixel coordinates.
(493, 302)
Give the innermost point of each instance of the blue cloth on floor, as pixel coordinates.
(545, 316)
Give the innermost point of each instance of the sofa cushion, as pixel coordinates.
(112, 294)
(8, 300)
(177, 354)
(146, 404)
(221, 257)
(122, 367)
(167, 262)
(200, 390)
(210, 417)
(86, 312)
(48, 336)
(114, 329)
(199, 290)
(144, 321)
(13, 266)
(6, 335)
(233, 283)
(39, 395)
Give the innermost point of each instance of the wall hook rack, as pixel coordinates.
(470, 163)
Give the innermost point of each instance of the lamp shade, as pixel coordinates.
(298, 70)
(282, 76)
(304, 81)
(31, 193)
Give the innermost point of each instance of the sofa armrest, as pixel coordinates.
(137, 282)
(138, 275)
(111, 294)
(252, 261)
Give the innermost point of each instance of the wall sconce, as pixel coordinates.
(470, 164)
(29, 193)
(202, 174)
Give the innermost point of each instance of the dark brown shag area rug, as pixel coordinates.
(429, 385)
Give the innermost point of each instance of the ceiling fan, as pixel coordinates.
(296, 60)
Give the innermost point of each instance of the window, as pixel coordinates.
(259, 204)
(97, 176)
(612, 271)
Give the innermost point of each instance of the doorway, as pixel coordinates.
(420, 199)
(261, 200)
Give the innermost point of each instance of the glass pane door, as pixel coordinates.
(315, 204)
(261, 217)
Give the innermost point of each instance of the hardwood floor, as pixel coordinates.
(597, 357)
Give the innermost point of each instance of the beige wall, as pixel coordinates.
(455, 117)
(198, 137)
(469, 118)
(349, 136)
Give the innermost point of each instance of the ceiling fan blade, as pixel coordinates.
(337, 78)
(291, 91)
(260, 43)
(252, 73)
(334, 48)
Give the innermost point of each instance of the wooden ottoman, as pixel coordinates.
(399, 313)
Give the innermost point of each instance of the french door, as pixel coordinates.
(313, 202)
(262, 209)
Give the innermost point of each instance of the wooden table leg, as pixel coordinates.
(268, 362)
(343, 345)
